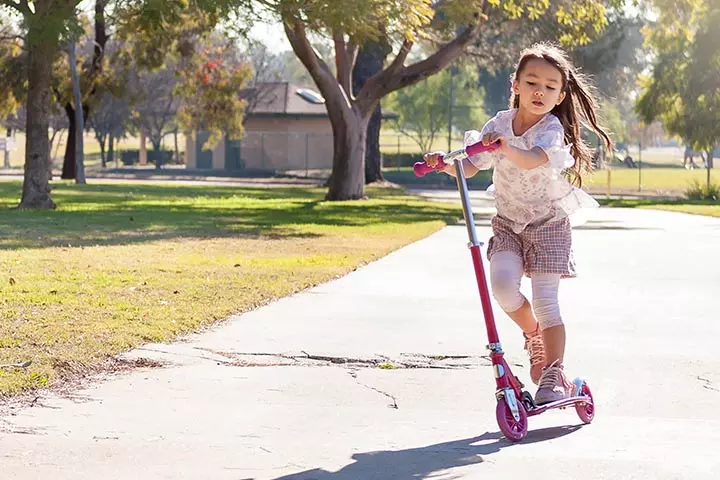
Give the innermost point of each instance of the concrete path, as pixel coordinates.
(296, 390)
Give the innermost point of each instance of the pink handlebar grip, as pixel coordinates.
(478, 147)
(421, 168)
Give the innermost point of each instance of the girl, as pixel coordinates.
(540, 145)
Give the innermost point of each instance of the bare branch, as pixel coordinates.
(318, 69)
(397, 76)
(342, 62)
(402, 55)
(352, 53)
(367, 97)
(437, 61)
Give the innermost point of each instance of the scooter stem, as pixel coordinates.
(474, 245)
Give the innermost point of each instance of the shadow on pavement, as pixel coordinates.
(422, 462)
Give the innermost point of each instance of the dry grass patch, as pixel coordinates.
(117, 266)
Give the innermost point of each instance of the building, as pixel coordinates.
(286, 128)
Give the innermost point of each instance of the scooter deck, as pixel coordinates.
(566, 402)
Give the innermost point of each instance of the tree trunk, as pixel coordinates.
(373, 156)
(69, 171)
(103, 160)
(370, 60)
(350, 116)
(51, 156)
(347, 181)
(111, 149)
(177, 147)
(157, 150)
(80, 118)
(36, 183)
(69, 166)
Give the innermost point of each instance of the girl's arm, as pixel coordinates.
(548, 147)
(525, 159)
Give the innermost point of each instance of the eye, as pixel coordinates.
(551, 88)
(532, 84)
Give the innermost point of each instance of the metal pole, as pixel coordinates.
(450, 111)
(466, 205)
(640, 165)
(397, 157)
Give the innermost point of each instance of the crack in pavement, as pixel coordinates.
(706, 383)
(405, 360)
(394, 404)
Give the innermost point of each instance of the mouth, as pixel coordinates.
(538, 103)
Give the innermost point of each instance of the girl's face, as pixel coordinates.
(539, 87)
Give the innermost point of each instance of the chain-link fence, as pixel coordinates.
(663, 168)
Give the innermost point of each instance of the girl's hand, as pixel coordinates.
(432, 159)
(493, 137)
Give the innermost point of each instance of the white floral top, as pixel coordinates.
(530, 196)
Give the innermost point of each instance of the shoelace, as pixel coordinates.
(535, 346)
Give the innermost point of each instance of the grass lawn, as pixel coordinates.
(116, 266)
(697, 207)
(659, 180)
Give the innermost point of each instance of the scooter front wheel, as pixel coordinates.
(514, 430)
(586, 410)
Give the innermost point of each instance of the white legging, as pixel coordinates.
(506, 271)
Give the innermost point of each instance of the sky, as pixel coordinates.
(272, 35)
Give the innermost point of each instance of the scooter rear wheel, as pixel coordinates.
(586, 410)
(514, 430)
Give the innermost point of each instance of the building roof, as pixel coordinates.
(281, 99)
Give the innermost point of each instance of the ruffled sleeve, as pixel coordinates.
(551, 138)
(482, 161)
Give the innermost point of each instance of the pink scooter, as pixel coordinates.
(514, 405)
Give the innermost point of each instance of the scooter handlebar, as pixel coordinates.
(421, 168)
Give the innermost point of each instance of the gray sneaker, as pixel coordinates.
(553, 385)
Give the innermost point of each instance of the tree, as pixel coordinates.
(210, 87)
(683, 90)
(10, 70)
(370, 60)
(425, 108)
(154, 104)
(612, 58)
(109, 118)
(90, 69)
(452, 27)
(44, 21)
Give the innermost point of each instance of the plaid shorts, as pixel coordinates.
(544, 247)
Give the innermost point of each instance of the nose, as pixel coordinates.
(539, 93)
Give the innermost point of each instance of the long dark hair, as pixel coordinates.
(578, 97)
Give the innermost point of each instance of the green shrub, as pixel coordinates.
(698, 191)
